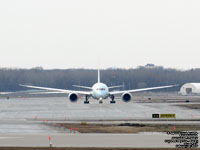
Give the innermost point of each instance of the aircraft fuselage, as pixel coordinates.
(100, 91)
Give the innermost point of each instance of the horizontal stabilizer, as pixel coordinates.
(84, 87)
(118, 86)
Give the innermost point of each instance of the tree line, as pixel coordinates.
(140, 77)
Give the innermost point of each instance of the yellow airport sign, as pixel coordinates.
(167, 115)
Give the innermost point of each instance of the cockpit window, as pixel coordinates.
(101, 89)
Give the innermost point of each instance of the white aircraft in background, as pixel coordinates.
(98, 91)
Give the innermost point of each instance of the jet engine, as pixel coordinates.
(73, 97)
(126, 97)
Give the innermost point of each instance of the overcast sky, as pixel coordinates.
(106, 33)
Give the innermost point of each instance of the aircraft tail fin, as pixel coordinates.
(98, 76)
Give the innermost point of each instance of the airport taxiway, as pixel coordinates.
(21, 122)
(61, 108)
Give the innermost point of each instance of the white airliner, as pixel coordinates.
(98, 91)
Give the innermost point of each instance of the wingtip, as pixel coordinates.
(23, 85)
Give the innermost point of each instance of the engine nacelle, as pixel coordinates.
(73, 97)
(126, 97)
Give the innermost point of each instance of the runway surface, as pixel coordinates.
(22, 122)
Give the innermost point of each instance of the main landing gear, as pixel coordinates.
(112, 99)
(86, 100)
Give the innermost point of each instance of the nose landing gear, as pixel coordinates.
(100, 101)
(112, 99)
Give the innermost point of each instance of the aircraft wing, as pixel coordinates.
(57, 90)
(4, 93)
(49, 92)
(144, 89)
